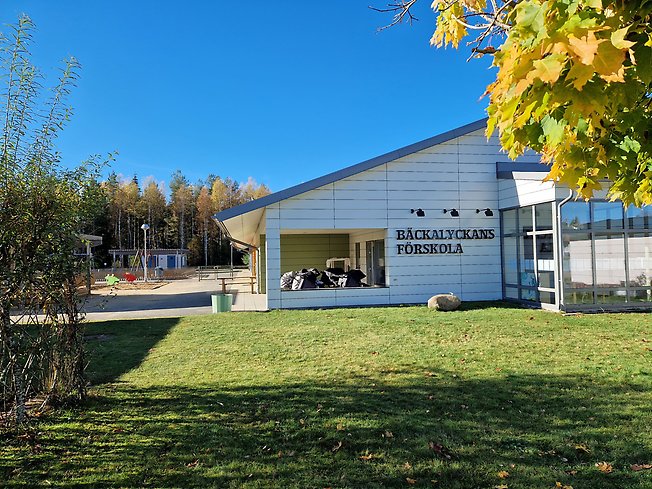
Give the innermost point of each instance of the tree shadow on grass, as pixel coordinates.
(116, 347)
(361, 433)
(146, 302)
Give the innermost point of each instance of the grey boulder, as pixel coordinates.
(444, 302)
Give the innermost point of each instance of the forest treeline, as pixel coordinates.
(181, 219)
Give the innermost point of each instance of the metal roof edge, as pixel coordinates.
(349, 171)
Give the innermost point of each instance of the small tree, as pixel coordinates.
(42, 211)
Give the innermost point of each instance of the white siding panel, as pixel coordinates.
(437, 200)
(291, 214)
(482, 285)
(308, 302)
(361, 222)
(348, 184)
(439, 191)
(495, 295)
(423, 160)
(515, 193)
(366, 205)
(445, 181)
(362, 212)
(361, 195)
(309, 204)
(307, 224)
(421, 168)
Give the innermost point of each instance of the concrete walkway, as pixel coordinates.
(177, 298)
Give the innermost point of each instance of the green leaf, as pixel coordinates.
(629, 145)
(529, 14)
(553, 130)
(643, 55)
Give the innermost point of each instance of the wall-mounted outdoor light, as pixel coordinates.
(487, 212)
(452, 212)
(419, 212)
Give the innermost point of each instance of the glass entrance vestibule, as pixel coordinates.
(578, 255)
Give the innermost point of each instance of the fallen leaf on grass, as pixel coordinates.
(407, 466)
(368, 456)
(582, 448)
(638, 468)
(559, 485)
(340, 427)
(503, 474)
(411, 481)
(388, 434)
(440, 450)
(501, 486)
(192, 465)
(571, 472)
(337, 447)
(604, 467)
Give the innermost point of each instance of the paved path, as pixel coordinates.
(177, 298)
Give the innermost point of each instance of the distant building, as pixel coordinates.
(164, 258)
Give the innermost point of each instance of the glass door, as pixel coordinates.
(375, 251)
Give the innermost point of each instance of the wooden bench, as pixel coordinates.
(206, 272)
(238, 280)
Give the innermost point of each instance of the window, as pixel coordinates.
(612, 263)
(607, 215)
(575, 216)
(376, 262)
(528, 250)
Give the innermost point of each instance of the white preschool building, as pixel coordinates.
(449, 214)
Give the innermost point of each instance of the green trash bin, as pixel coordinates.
(221, 302)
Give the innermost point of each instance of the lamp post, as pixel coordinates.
(145, 227)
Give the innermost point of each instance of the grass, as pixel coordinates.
(386, 397)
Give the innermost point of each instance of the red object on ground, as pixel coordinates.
(130, 277)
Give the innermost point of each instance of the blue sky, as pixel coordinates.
(279, 91)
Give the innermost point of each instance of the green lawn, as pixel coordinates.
(382, 397)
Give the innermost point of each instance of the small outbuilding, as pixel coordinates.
(162, 258)
(448, 214)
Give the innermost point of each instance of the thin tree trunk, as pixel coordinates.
(205, 243)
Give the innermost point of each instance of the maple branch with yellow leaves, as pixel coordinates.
(573, 83)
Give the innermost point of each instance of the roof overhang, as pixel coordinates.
(243, 229)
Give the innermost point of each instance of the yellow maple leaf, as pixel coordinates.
(559, 485)
(608, 60)
(549, 68)
(618, 77)
(605, 467)
(503, 474)
(586, 47)
(618, 39)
